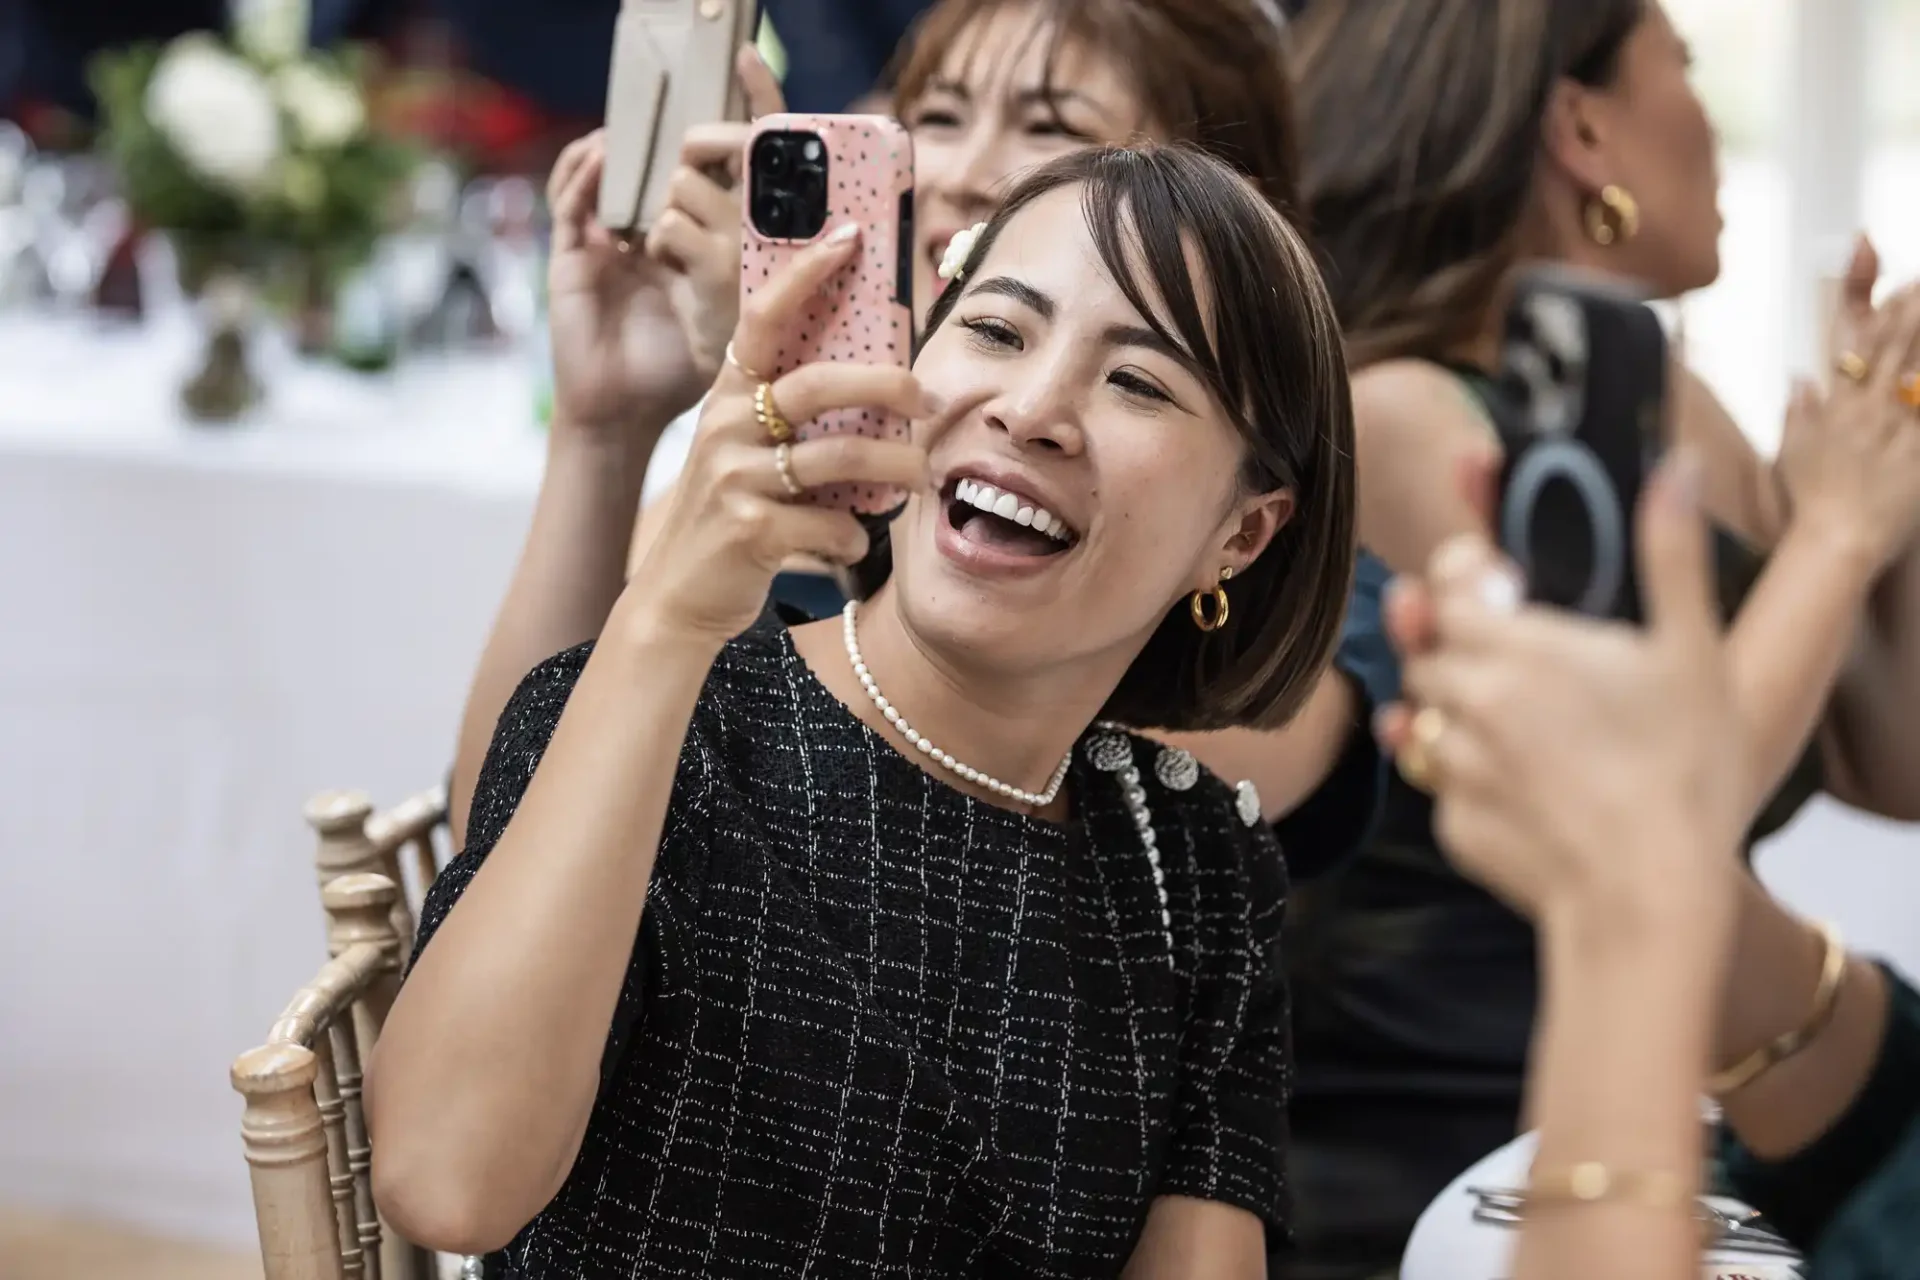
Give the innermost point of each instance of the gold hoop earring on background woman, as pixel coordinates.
(1197, 605)
(1612, 216)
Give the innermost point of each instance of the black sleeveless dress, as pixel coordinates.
(1414, 995)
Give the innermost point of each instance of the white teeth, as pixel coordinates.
(1009, 507)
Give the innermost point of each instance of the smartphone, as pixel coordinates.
(1580, 406)
(805, 175)
(672, 69)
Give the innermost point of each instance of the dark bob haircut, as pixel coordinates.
(1261, 330)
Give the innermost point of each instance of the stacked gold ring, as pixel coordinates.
(767, 414)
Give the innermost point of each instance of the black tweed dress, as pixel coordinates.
(873, 1026)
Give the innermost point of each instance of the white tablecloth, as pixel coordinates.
(201, 626)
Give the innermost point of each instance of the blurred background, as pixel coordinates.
(268, 446)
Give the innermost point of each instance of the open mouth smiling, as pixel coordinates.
(1001, 520)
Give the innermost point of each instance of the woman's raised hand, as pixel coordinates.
(1574, 762)
(697, 235)
(621, 362)
(1849, 459)
(732, 520)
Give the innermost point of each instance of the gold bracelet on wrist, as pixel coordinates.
(1591, 1182)
(1833, 970)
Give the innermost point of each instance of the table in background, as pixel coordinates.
(201, 626)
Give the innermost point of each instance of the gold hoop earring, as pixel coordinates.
(1197, 605)
(1612, 216)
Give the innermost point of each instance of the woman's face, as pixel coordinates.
(1651, 137)
(988, 114)
(1085, 478)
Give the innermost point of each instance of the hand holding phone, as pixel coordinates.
(737, 514)
(1580, 405)
(806, 176)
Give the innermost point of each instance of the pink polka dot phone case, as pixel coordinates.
(854, 169)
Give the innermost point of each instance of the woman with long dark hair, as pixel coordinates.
(1446, 144)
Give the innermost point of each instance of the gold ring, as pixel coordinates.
(734, 360)
(1852, 366)
(783, 459)
(1415, 759)
(1909, 391)
(767, 414)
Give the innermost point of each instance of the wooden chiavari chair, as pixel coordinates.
(405, 844)
(303, 1128)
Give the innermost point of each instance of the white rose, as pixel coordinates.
(271, 30)
(326, 110)
(216, 112)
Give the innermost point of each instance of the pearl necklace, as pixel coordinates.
(1109, 749)
(1038, 799)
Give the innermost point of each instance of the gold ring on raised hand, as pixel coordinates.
(767, 414)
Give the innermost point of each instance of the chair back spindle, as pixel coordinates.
(304, 1126)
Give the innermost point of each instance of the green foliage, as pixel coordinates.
(325, 206)
(159, 186)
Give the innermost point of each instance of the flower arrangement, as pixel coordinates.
(249, 149)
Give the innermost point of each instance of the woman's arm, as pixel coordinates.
(1188, 1239)
(486, 1074)
(571, 571)
(1798, 655)
(1873, 744)
(622, 370)
(1619, 1055)
(479, 1091)
(1770, 991)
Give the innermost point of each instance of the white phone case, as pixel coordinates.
(672, 69)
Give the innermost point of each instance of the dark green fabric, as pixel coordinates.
(1851, 1200)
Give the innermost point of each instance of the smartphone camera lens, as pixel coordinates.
(772, 215)
(787, 173)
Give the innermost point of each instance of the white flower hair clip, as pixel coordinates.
(959, 249)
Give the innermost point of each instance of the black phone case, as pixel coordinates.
(1579, 403)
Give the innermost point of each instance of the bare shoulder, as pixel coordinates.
(1415, 421)
(1396, 393)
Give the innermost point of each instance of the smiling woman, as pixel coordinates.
(939, 969)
